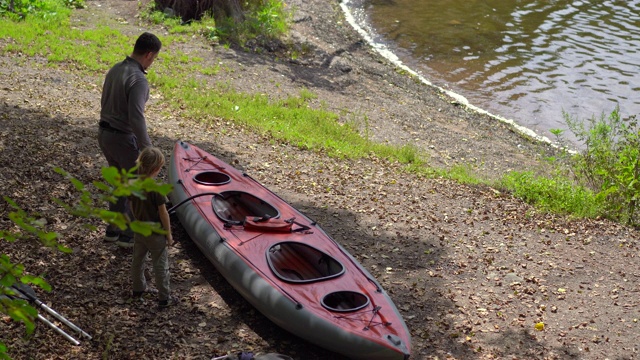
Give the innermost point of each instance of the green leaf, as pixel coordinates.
(3, 352)
(111, 175)
(8, 236)
(121, 192)
(113, 218)
(146, 228)
(77, 184)
(102, 186)
(139, 193)
(36, 280)
(165, 189)
(61, 171)
(141, 228)
(49, 237)
(20, 310)
(64, 249)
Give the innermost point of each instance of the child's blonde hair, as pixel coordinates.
(149, 161)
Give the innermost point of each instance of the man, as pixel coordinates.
(123, 129)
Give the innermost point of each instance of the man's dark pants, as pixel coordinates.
(121, 150)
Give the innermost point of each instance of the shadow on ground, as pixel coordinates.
(91, 284)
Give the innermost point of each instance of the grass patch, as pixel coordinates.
(557, 194)
(54, 40)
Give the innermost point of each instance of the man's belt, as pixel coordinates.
(107, 127)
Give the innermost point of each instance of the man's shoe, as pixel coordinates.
(125, 241)
(138, 300)
(166, 303)
(152, 291)
(111, 236)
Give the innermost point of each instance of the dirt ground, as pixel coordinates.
(471, 269)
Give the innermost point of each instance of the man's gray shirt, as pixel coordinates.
(124, 95)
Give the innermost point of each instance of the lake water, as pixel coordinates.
(523, 60)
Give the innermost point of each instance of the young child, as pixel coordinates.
(153, 208)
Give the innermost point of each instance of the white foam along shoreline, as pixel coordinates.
(382, 49)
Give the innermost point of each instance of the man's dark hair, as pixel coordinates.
(147, 42)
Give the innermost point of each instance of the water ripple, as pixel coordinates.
(529, 62)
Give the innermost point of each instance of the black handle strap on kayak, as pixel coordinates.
(25, 292)
(172, 209)
(198, 160)
(261, 218)
(250, 239)
(374, 312)
(302, 227)
(202, 158)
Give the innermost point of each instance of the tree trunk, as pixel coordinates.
(195, 9)
(230, 8)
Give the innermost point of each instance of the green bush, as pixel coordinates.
(602, 179)
(609, 164)
(264, 21)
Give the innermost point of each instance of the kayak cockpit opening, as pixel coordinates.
(300, 263)
(212, 178)
(345, 301)
(235, 206)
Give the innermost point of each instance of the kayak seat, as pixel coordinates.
(298, 262)
(294, 274)
(236, 206)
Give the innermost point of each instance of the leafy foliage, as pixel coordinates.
(20, 9)
(264, 21)
(603, 178)
(12, 274)
(610, 161)
(90, 205)
(265, 18)
(118, 183)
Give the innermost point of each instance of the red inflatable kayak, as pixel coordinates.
(282, 262)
